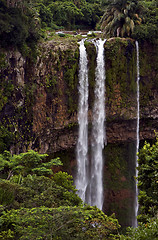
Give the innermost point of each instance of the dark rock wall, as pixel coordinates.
(39, 97)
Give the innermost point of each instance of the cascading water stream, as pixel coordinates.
(137, 135)
(82, 144)
(98, 130)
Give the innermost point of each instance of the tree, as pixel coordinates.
(45, 15)
(6, 137)
(148, 231)
(45, 207)
(59, 223)
(30, 182)
(36, 191)
(148, 195)
(148, 181)
(18, 25)
(65, 13)
(120, 18)
(91, 14)
(148, 30)
(23, 164)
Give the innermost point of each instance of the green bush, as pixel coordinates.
(148, 181)
(30, 162)
(40, 207)
(148, 231)
(59, 223)
(17, 26)
(148, 29)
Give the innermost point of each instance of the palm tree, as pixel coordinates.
(120, 18)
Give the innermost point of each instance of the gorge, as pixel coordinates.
(40, 102)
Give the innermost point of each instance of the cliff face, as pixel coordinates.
(39, 103)
(39, 97)
(121, 90)
(38, 107)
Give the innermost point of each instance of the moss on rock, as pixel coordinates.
(120, 59)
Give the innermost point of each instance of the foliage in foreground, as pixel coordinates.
(148, 231)
(23, 164)
(58, 223)
(148, 181)
(39, 204)
(148, 195)
(36, 203)
(30, 182)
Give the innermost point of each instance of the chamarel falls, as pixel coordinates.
(90, 162)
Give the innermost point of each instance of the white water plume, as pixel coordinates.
(82, 144)
(98, 130)
(137, 136)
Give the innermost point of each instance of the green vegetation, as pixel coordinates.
(120, 77)
(147, 231)
(36, 203)
(137, 19)
(39, 204)
(23, 22)
(120, 18)
(18, 25)
(148, 29)
(26, 163)
(148, 195)
(71, 79)
(148, 181)
(6, 138)
(59, 223)
(69, 14)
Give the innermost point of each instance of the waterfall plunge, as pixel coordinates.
(90, 189)
(94, 182)
(98, 131)
(82, 144)
(137, 136)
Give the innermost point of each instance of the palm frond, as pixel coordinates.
(127, 20)
(132, 25)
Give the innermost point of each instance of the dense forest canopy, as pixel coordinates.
(36, 203)
(23, 21)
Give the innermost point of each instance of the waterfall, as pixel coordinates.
(90, 188)
(137, 135)
(82, 144)
(98, 131)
